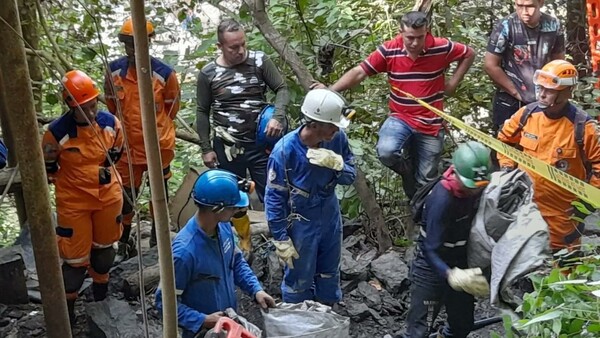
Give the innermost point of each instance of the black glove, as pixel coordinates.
(114, 156)
(104, 175)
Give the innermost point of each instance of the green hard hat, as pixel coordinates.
(472, 164)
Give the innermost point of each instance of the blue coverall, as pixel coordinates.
(442, 245)
(207, 269)
(316, 223)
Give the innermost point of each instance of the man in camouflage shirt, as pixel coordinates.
(234, 86)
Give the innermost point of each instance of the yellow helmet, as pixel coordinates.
(127, 29)
(556, 74)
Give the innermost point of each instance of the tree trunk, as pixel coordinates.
(577, 42)
(12, 159)
(155, 171)
(23, 125)
(367, 197)
(29, 25)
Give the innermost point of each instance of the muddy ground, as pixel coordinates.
(380, 319)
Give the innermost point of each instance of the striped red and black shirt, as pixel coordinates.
(424, 78)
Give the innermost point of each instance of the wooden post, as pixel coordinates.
(24, 128)
(159, 195)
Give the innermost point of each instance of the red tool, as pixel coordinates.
(228, 328)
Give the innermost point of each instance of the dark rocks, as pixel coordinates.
(115, 318)
(368, 295)
(357, 311)
(391, 270)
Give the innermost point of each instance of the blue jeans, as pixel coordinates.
(413, 155)
(429, 292)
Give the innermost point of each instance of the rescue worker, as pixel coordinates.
(520, 44)
(207, 264)
(302, 209)
(439, 274)
(411, 140)
(77, 147)
(556, 132)
(233, 86)
(123, 97)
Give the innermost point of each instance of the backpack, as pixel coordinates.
(581, 118)
(417, 202)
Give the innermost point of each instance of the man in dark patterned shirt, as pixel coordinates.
(520, 44)
(233, 86)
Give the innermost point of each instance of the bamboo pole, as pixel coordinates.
(23, 125)
(159, 195)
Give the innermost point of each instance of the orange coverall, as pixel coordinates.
(553, 141)
(166, 101)
(88, 202)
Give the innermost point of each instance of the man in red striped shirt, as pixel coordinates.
(415, 61)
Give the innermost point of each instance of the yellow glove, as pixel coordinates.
(286, 252)
(325, 158)
(470, 281)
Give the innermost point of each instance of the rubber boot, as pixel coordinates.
(71, 310)
(122, 251)
(242, 227)
(99, 290)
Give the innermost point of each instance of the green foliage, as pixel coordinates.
(564, 303)
(330, 36)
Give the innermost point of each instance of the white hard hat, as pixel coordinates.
(327, 106)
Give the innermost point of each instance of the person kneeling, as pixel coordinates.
(207, 263)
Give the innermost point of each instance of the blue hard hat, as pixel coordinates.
(219, 188)
(261, 127)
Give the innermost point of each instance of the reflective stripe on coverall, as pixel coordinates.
(553, 141)
(316, 230)
(207, 269)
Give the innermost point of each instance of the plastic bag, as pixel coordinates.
(307, 319)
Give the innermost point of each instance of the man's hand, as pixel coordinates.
(210, 159)
(286, 252)
(211, 320)
(317, 85)
(516, 95)
(264, 300)
(325, 158)
(469, 280)
(451, 86)
(274, 128)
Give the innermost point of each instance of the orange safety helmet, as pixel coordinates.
(127, 29)
(556, 74)
(78, 88)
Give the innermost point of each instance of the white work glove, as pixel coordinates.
(286, 252)
(470, 281)
(325, 158)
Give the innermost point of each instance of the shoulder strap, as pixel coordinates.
(524, 117)
(580, 121)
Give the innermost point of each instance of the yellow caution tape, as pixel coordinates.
(578, 187)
